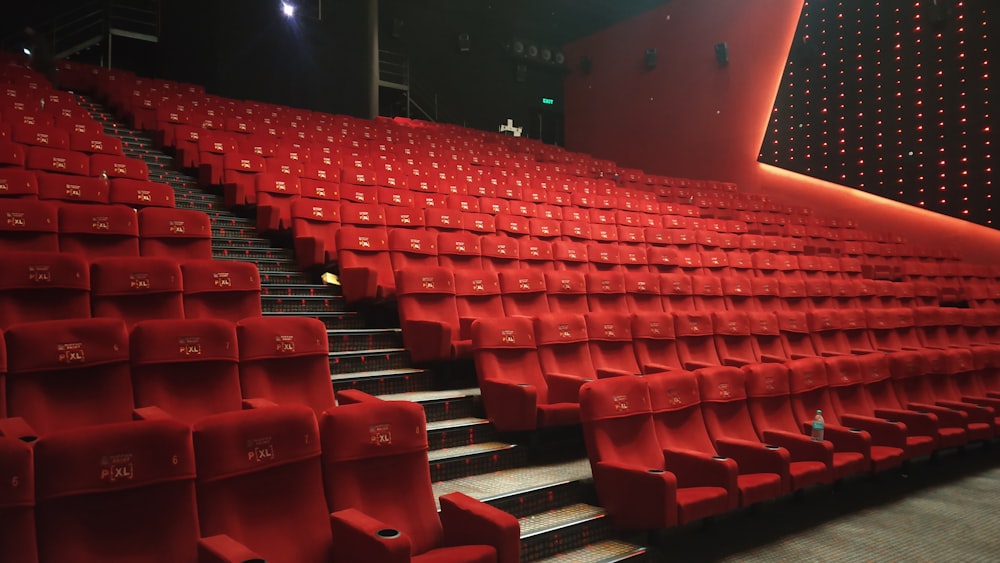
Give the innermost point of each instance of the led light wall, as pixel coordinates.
(895, 98)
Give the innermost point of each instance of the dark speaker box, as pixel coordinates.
(464, 43)
(650, 59)
(722, 53)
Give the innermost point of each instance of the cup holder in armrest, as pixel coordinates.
(771, 447)
(655, 471)
(522, 384)
(720, 458)
(856, 430)
(388, 533)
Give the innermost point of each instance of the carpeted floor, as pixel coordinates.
(941, 510)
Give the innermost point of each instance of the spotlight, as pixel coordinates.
(26, 51)
(288, 9)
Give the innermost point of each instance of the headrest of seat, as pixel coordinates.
(612, 398)
(605, 283)
(207, 276)
(372, 429)
(876, 367)
(764, 323)
(902, 317)
(522, 281)
(721, 384)
(766, 380)
(362, 240)
(262, 338)
(134, 276)
(852, 319)
(87, 219)
(113, 457)
(316, 210)
(569, 251)
(824, 319)
(687, 323)
(163, 341)
(675, 284)
(764, 286)
(566, 282)
(535, 250)
(240, 442)
(560, 328)
(706, 285)
(807, 374)
(424, 280)
(361, 214)
(793, 321)
(609, 326)
(413, 241)
(174, 223)
(969, 317)
(673, 391)
(18, 485)
(730, 323)
(507, 332)
(476, 282)
(642, 283)
(789, 287)
(44, 270)
(907, 364)
(26, 215)
(927, 316)
(843, 371)
(66, 344)
(653, 325)
(737, 286)
(458, 243)
(495, 246)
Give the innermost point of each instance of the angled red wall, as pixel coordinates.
(691, 117)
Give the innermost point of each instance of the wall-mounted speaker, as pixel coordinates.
(464, 43)
(650, 59)
(722, 53)
(586, 64)
(397, 27)
(521, 73)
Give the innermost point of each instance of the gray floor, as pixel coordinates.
(947, 509)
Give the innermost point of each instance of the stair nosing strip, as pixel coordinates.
(548, 530)
(454, 457)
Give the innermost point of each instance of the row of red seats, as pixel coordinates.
(531, 369)
(96, 230)
(271, 484)
(70, 373)
(19, 183)
(39, 286)
(675, 447)
(68, 162)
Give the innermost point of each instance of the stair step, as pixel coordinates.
(364, 339)
(300, 290)
(284, 268)
(442, 404)
(283, 278)
(227, 219)
(302, 304)
(369, 360)
(607, 551)
(456, 432)
(549, 533)
(238, 244)
(221, 232)
(474, 459)
(527, 490)
(377, 381)
(332, 320)
(255, 254)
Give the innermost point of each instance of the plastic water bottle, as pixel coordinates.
(817, 428)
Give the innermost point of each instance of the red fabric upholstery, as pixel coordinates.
(68, 373)
(515, 392)
(97, 231)
(140, 193)
(41, 286)
(563, 351)
(566, 291)
(459, 250)
(255, 464)
(654, 342)
(365, 269)
(636, 481)
(286, 361)
(642, 292)
(727, 417)
(17, 501)
(221, 289)
(606, 291)
(535, 254)
(179, 234)
(523, 292)
(676, 292)
(428, 314)
(136, 289)
(16, 183)
(314, 227)
(58, 161)
(275, 194)
(609, 336)
(695, 342)
(118, 167)
(187, 368)
(412, 248)
(499, 253)
(377, 477)
(28, 225)
(795, 337)
(477, 294)
(85, 474)
(733, 339)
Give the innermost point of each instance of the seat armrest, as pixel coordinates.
(151, 413)
(637, 497)
(883, 432)
(224, 549)
(801, 447)
(655, 368)
(606, 373)
(736, 362)
(976, 413)
(946, 416)
(353, 396)
(17, 427)
(921, 424)
(769, 359)
(467, 521)
(700, 469)
(359, 537)
(843, 438)
(258, 403)
(755, 457)
(692, 365)
(427, 340)
(564, 388)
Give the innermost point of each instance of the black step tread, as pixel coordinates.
(377, 374)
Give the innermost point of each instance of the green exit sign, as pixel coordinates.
(548, 101)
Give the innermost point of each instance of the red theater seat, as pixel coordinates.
(428, 315)
(752, 473)
(118, 167)
(179, 234)
(136, 289)
(84, 475)
(563, 351)
(97, 231)
(365, 269)
(275, 194)
(523, 293)
(18, 183)
(314, 227)
(285, 360)
(73, 189)
(17, 501)
(40, 286)
(412, 248)
(606, 291)
(478, 297)
(459, 250)
(727, 417)
(642, 485)
(67, 373)
(609, 337)
(186, 369)
(221, 289)
(28, 225)
(516, 394)
(140, 193)
(566, 291)
(377, 478)
(254, 465)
